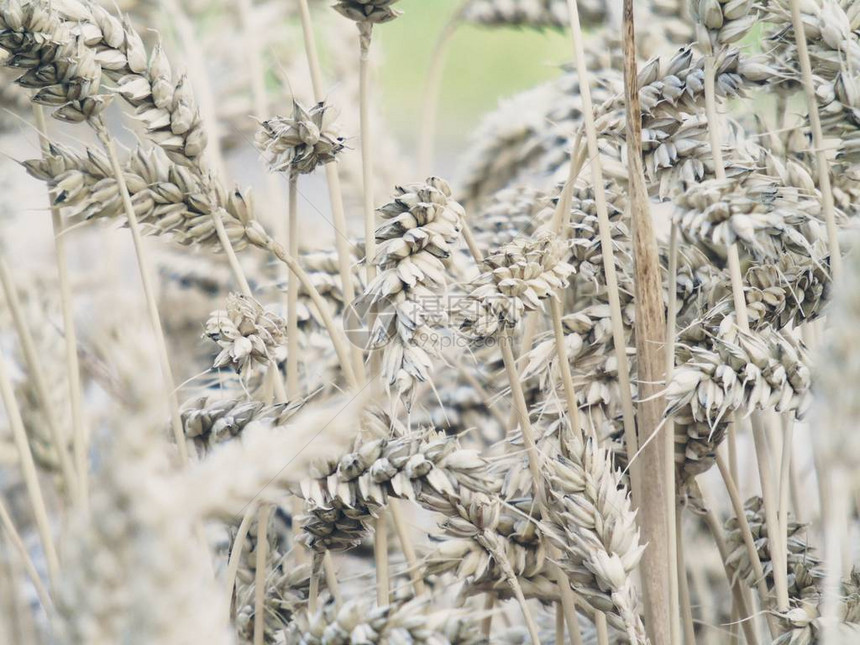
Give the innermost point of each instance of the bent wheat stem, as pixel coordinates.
(38, 379)
(80, 433)
(144, 268)
(31, 477)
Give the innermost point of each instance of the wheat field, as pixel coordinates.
(312, 337)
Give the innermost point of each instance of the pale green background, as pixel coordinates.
(483, 65)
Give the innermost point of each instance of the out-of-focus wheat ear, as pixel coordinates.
(817, 140)
(618, 335)
(332, 179)
(13, 536)
(661, 600)
(31, 477)
(37, 375)
(145, 268)
(432, 90)
(81, 434)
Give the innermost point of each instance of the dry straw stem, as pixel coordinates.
(735, 583)
(606, 244)
(260, 573)
(522, 412)
(432, 91)
(293, 293)
(235, 557)
(749, 543)
(661, 610)
(771, 500)
(31, 477)
(332, 178)
(145, 268)
(677, 587)
(15, 538)
(817, 140)
(200, 78)
(338, 339)
(37, 377)
(81, 435)
(365, 31)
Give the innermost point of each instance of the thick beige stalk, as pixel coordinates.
(80, 433)
(145, 267)
(606, 244)
(365, 30)
(432, 90)
(341, 238)
(650, 352)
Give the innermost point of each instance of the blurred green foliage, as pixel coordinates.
(482, 65)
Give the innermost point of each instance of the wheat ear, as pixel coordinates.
(817, 139)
